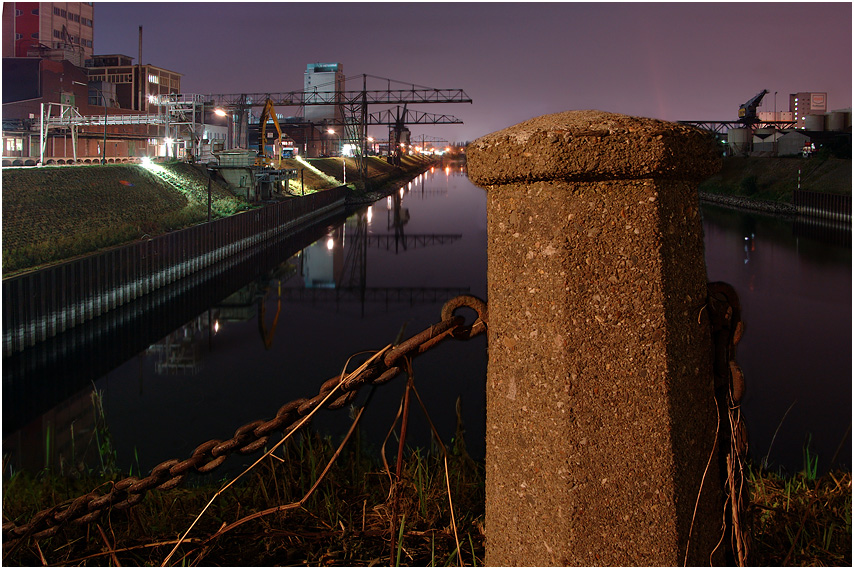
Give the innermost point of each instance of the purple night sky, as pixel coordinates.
(673, 61)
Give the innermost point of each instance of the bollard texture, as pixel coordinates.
(601, 417)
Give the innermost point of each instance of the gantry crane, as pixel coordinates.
(354, 107)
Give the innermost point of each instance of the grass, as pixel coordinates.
(775, 179)
(345, 522)
(57, 213)
(310, 500)
(305, 501)
(800, 520)
(315, 501)
(53, 214)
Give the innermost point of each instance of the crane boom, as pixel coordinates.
(747, 111)
(266, 114)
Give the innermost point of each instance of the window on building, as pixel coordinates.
(13, 145)
(35, 12)
(154, 79)
(56, 11)
(35, 36)
(62, 13)
(19, 13)
(19, 36)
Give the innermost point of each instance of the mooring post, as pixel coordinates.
(601, 418)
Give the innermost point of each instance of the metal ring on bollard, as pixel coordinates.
(467, 301)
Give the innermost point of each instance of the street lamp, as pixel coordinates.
(343, 163)
(103, 98)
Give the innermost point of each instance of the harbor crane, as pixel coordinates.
(747, 111)
(747, 118)
(353, 105)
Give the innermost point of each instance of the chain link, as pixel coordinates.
(252, 436)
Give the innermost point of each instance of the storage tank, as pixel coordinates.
(738, 140)
(814, 122)
(836, 121)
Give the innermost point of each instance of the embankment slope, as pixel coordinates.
(775, 179)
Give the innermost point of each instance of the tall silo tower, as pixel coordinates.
(325, 78)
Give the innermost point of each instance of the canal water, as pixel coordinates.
(357, 282)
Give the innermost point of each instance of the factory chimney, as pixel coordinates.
(142, 82)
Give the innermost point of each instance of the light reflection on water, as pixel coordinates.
(288, 330)
(390, 267)
(795, 294)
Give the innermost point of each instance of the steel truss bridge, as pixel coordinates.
(721, 127)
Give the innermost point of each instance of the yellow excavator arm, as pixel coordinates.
(268, 113)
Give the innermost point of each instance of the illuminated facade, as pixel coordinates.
(802, 105)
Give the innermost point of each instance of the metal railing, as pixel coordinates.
(44, 303)
(820, 204)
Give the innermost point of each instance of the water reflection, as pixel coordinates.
(795, 292)
(290, 324)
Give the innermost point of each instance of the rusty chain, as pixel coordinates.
(727, 329)
(253, 436)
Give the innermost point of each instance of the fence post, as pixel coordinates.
(601, 416)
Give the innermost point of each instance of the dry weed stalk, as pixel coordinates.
(344, 377)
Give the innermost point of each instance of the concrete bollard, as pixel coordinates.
(601, 418)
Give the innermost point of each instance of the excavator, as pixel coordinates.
(263, 159)
(747, 111)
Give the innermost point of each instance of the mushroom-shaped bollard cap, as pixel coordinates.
(591, 146)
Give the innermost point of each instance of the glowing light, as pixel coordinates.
(388, 202)
(146, 161)
(401, 192)
(370, 214)
(330, 131)
(220, 113)
(330, 244)
(168, 140)
(447, 170)
(216, 326)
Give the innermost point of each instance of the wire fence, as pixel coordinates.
(42, 304)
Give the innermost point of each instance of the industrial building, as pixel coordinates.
(57, 31)
(55, 86)
(805, 128)
(64, 104)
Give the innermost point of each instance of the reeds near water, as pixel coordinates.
(315, 501)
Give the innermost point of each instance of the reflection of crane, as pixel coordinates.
(747, 111)
(267, 335)
(350, 284)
